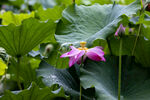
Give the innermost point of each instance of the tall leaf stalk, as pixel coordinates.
(80, 92)
(6, 73)
(80, 98)
(120, 67)
(139, 29)
(135, 43)
(18, 69)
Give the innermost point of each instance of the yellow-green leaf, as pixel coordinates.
(9, 17)
(3, 66)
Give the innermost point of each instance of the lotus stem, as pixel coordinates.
(139, 30)
(120, 66)
(136, 39)
(6, 72)
(80, 92)
(80, 98)
(18, 69)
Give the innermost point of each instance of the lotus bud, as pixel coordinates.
(120, 31)
(48, 49)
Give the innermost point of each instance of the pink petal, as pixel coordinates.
(95, 54)
(116, 33)
(80, 60)
(96, 50)
(71, 53)
(95, 57)
(74, 59)
(98, 47)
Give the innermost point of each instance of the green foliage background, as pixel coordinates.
(34, 33)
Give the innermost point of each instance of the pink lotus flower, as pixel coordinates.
(75, 55)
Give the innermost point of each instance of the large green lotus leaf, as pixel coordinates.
(19, 40)
(36, 93)
(88, 23)
(67, 78)
(10, 17)
(104, 76)
(50, 13)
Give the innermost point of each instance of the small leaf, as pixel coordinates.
(9, 17)
(3, 66)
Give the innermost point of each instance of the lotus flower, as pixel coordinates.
(76, 54)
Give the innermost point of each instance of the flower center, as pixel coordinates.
(82, 44)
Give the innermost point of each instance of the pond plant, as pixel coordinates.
(75, 50)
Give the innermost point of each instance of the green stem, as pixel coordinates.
(18, 69)
(139, 30)
(119, 74)
(80, 82)
(80, 92)
(6, 74)
(136, 39)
